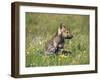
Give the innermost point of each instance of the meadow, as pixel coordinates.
(40, 27)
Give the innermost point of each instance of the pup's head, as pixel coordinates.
(64, 31)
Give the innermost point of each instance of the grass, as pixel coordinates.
(40, 28)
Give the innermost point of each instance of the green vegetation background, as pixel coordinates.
(41, 27)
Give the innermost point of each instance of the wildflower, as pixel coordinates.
(70, 42)
(31, 64)
(27, 52)
(84, 51)
(62, 56)
(59, 59)
(40, 42)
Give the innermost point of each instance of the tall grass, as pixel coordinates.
(41, 27)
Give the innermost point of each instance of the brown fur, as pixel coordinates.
(58, 40)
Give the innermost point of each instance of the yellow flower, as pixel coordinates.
(65, 56)
(84, 51)
(59, 59)
(70, 42)
(27, 52)
(62, 56)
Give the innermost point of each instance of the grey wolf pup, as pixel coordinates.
(58, 40)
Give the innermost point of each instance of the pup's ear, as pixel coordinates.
(59, 30)
(62, 25)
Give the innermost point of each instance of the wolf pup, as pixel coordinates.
(58, 40)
